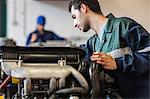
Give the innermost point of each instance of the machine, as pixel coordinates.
(53, 73)
(44, 73)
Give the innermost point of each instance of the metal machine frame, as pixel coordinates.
(52, 64)
(54, 72)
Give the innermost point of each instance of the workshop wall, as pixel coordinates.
(22, 15)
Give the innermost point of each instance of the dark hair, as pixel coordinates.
(92, 4)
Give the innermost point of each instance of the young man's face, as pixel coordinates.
(80, 19)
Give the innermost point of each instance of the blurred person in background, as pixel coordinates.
(40, 34)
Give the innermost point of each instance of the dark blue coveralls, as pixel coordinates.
(131, 44)
(48, 35)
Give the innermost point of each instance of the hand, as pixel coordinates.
(33, 37)
(105, 60)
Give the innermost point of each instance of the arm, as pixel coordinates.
(88, 50)
(31, 38)
(28, 39)
(138, 40)
(56, 37)
(137, 61)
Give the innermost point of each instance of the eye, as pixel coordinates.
(73, 16)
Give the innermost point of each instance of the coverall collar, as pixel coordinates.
(110, 22)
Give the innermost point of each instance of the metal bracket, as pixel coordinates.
(62, 62)
(19, 61)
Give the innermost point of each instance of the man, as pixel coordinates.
(40, 34)
(120, 45)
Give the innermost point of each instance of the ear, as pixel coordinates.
(83, 8)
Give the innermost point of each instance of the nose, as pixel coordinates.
(75, 24)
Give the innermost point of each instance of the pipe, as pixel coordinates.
(5, 82)
(75, 90)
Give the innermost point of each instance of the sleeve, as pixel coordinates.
(56, 37)
(28, 39)
(138, 62)
(89, 51)
(86, 61)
